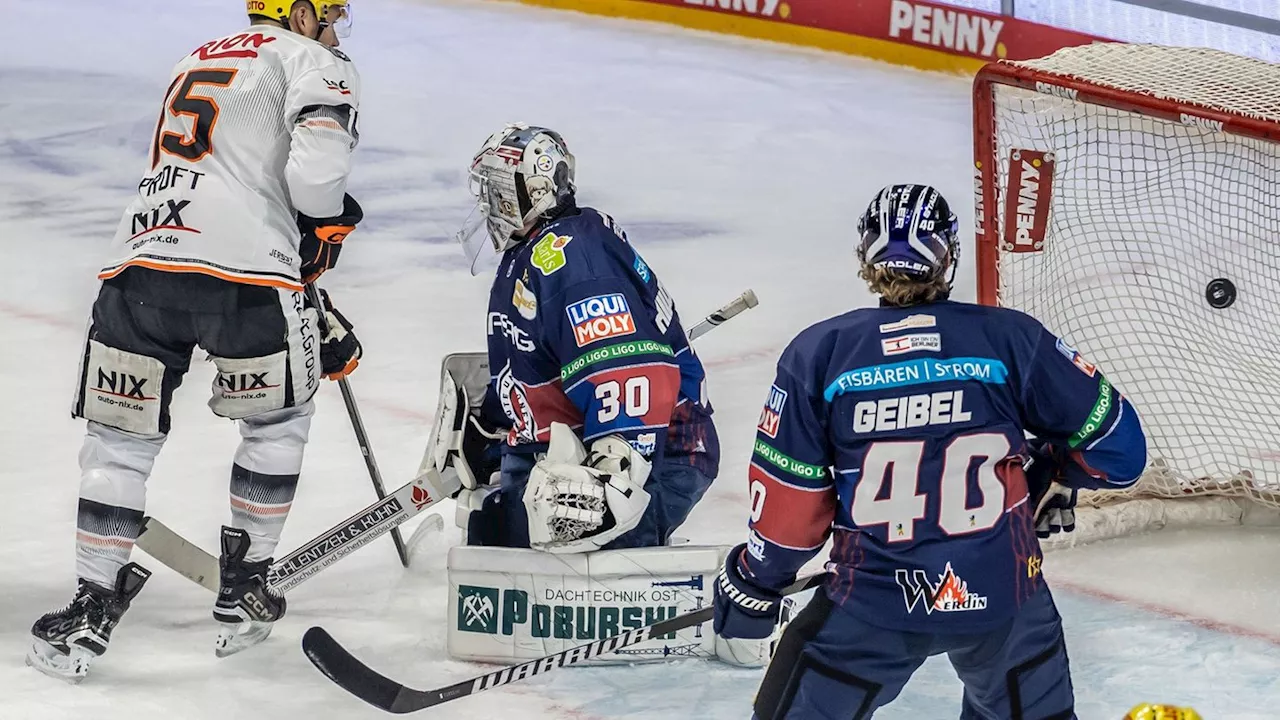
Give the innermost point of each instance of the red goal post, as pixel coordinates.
(1115, 185)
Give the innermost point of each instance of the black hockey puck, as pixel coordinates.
(1220, 293)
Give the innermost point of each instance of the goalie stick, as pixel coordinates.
(193, 563)
(360, 680)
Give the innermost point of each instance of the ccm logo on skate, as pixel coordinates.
(911, 411)
(599, 318)
(949, 594)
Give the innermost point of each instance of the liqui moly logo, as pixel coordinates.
(599, 318)
(771, 415)
(946, 28)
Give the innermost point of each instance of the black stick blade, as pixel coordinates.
(349, 673)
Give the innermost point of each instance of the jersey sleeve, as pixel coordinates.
(1068, 401)
(793, 496)
(322, 102)
(615, 367)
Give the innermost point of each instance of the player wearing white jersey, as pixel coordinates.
(242, 202)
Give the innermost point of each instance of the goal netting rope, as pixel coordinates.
(1145, 213)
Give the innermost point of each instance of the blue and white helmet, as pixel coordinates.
(521, 174)
(911, 229)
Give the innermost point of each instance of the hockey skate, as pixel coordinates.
(64, 643)
(246, 607)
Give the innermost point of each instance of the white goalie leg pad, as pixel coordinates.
(464, 377)
(509, 605)
(575, 507)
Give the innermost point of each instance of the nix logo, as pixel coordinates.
(232, 383)
(478, 609)
(163, 217)
(599, 318)
(951, 594)
(122, 384)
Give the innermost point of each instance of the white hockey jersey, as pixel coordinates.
(256, 127)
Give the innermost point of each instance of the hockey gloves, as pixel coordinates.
(340, 351)
(1047, 478)
(743, 610)
(322, 238)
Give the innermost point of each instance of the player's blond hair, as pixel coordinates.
(902, 290)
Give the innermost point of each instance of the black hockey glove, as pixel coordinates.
(743, 610)
(1052, 497)
(340, 351)
(322, 238)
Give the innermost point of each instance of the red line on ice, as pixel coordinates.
(1208, 624)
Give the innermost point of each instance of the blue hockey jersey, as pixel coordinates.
(903, 431)
(582, 332)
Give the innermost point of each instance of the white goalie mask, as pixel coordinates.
(521, 174)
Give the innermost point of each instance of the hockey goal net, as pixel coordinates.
(1127, 198)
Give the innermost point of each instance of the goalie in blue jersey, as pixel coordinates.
(903, 430)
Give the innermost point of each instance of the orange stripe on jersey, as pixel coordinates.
(175, 267)
(794, 517)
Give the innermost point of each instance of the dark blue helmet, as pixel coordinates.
(911, 229)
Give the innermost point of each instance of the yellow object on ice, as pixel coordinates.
(1162, 712)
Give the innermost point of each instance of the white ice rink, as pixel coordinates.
(733, 164)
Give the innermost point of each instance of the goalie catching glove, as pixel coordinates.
(579, 501)
(322, 238)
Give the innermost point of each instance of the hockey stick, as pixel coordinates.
(745, 301)
(193, 563)
(362, 437)
(386, 694)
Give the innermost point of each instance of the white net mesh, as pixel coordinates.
(1145, 214)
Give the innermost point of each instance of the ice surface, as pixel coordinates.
(732, 164)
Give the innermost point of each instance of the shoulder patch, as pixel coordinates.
(642, 268)
(1074, 356)
(771, 415)
(599, 318)
(548, 253)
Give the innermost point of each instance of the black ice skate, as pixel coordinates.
(246, 606)
(65, 642)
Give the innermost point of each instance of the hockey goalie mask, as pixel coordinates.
(910, 229)
(521, 175)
